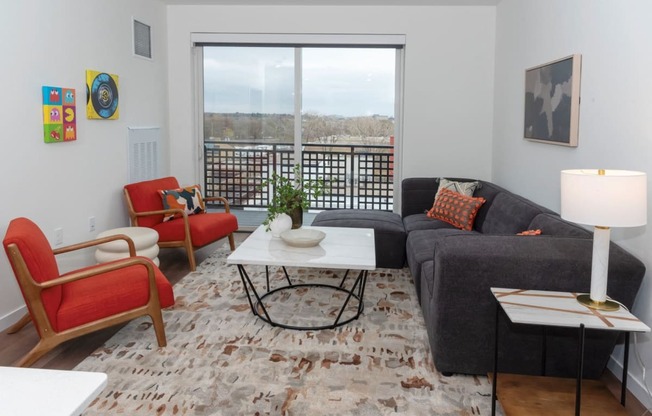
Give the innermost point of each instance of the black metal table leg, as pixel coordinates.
(287, 276)
(357, 291)
(623, 391)
(246, 280)
(580, 370)
(344, 278)
(346, 302)
(495, 375)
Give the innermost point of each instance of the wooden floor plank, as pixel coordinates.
(553, 396)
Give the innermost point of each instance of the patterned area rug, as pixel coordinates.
(222, 360)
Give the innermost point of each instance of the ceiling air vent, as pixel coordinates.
(142, 39)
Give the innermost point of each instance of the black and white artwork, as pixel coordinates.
(552, 101)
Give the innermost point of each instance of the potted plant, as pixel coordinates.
(290, 196)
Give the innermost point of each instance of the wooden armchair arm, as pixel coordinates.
(99, 269)
(161, 212)
(98, 241)
(223, 200)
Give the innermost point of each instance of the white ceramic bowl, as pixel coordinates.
(302, 237)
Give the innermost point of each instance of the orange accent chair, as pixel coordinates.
(145, 206)
(66, 306)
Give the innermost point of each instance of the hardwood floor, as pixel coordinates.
(174, 265)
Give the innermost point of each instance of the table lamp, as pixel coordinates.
(603, 198)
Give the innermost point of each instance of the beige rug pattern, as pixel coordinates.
(222, 360)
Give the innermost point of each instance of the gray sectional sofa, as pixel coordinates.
(454, 269)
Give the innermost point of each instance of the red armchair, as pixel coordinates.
(145, 206)
(67, 306)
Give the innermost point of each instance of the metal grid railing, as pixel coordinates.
(356, 176)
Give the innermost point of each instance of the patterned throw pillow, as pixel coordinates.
(188, 199)
(464, 188)
(530, 232)
(456, 209)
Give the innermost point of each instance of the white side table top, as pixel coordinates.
(342, 248)
(540, 307)
(38, 392)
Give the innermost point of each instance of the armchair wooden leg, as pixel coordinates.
(39, 350)
(231, 241)
(20, 324)
(191, 259)
(159, 328)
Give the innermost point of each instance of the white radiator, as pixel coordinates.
(144, 144)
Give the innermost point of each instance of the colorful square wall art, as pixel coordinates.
(59, 114)
(101, 96)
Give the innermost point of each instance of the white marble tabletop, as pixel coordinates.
(342, 248)
(549, 308)
(38, 392)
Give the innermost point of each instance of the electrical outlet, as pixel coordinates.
(91, 224)
(58, 236)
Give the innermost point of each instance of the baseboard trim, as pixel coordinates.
(634, 385)
(12, 317)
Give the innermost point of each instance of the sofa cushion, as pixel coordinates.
(456, 209)
(420, 249)
(509, 214)
(422, 222)
(551, 224)
(389, 233)
(204, 228)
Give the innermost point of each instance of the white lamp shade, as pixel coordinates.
(617, 198)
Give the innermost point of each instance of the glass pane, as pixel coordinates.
(248, 121)
(348, 95)
(249, 94)
(348, 125)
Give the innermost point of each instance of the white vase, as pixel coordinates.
(280, 223)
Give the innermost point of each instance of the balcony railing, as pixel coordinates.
(356, 176)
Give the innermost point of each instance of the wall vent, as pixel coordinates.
(142, 39)
(144, 145)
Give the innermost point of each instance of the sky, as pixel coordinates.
(344, 81)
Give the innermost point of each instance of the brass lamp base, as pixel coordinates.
(607, 305)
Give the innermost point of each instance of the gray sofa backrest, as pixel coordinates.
(418, 194)
(503, 213)
(552, 224)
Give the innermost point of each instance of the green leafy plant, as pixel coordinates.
(289, 195)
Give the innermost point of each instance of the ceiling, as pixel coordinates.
(335, 2)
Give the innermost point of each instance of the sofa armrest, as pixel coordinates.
(471, 264)
(461, 307)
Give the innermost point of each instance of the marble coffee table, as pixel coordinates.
(342, 249)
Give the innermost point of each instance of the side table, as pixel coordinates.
(561, 309)
(36, 392)
(145, 239)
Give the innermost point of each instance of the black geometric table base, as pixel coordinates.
(258, 307)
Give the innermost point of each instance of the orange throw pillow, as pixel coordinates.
(456, 209)
(530, 232)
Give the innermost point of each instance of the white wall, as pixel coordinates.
(614, 39)
(449, 60)
(62, 184)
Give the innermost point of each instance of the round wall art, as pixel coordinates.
(101, 95)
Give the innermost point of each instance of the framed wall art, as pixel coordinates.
(552, 101)
(59, 114)
(101, 96)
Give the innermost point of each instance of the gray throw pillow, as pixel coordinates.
(464, 188)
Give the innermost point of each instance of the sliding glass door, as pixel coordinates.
(332, 109)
